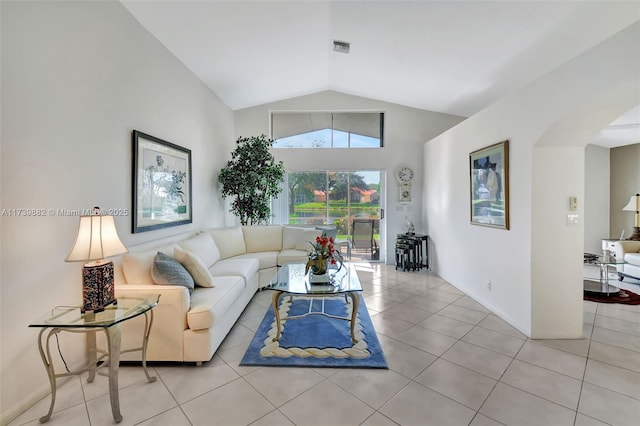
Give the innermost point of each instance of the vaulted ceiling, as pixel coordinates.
(454, 57)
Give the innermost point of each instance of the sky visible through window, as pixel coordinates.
(322, 139)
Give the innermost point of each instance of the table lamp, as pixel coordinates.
(97, 238)
(634, 206)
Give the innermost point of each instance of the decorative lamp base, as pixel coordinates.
(636, 234)
(97, 286)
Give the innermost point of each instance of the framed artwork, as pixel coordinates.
(489, 186)
(405, 193)
(161, 184)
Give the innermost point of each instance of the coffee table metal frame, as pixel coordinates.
(71, 319)
(292, 281)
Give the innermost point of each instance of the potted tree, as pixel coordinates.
(252, 177)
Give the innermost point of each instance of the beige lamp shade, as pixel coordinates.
(97, 238)
(633, 206)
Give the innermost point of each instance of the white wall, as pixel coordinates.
(596, 198)
(540, 254)
(405, 129)
(611, 177)
(77, 78)
(625, 181)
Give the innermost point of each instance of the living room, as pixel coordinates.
(78, 77)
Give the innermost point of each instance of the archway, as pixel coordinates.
(557, 245)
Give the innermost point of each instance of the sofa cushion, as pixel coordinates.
(210, 304)
(203, 246)
(262, 238)
(168, 271)
(291, 235)
(230, 241)
(195, 266)
(292, 256)
(242, 267)
(632, 258)
(136, 267)
(266, 259)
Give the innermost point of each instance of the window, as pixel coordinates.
(330, 197)
(327, 129)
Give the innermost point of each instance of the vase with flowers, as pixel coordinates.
(322, 255)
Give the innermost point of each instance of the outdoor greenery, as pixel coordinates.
(252, 178)
(336, 184)
(331, 197)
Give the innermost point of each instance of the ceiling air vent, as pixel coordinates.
(341, 46)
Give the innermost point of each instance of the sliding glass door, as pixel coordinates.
(336, 198)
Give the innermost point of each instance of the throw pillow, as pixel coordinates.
(291, 235)
(195, 266)
(203, 246)
(137, 266)
(168, 271)
(230, 241)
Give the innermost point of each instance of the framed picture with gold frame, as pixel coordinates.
(489, 186)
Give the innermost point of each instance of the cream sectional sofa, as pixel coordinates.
(629, 251)
(237, 261)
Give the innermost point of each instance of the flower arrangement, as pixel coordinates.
(322, 255)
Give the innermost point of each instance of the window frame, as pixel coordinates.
(332, 128)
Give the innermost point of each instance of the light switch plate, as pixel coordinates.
(572, 219)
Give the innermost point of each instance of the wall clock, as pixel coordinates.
(405, 175)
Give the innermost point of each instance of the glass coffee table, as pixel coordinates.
(292, 281)
(602, 286)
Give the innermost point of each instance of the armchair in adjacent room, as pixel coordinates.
(629, 251)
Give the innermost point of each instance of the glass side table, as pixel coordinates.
(70, 319)
(602, 287)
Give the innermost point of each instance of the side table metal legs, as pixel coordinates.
(48, 365)
(113, 339)
(113, 335)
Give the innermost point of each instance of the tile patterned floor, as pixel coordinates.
(452, 362)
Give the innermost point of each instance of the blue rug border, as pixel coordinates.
(252, 357)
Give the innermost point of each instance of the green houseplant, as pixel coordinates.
(252, 177)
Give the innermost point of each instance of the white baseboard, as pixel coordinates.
(23, 406)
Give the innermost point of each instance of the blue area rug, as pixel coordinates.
(315, 340)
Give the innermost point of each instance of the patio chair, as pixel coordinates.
(362, 237)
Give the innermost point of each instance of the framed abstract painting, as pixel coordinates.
(489, 186)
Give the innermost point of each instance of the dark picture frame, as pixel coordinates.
(161, 184)
(489, 186)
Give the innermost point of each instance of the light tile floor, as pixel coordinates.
(452, 362)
